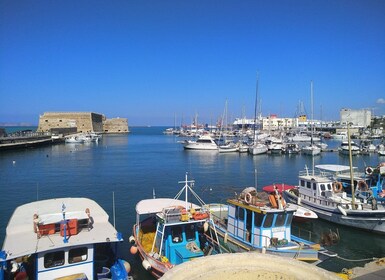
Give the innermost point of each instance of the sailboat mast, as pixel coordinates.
(256, 111)
(312, 112)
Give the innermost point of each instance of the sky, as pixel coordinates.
(166, 62)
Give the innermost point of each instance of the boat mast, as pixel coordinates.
(351, 167)
(256, 111)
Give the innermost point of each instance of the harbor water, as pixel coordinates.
(120, 170)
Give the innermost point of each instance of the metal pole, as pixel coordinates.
(351, 168)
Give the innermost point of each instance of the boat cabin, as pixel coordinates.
(54, 244)
(258, 226)
(177, 236)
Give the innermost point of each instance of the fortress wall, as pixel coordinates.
(81, 122)
(116, 125)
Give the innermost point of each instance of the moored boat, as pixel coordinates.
(59, 239)
(249, 223)
(170, 231)
(326, 197)
(204, 142)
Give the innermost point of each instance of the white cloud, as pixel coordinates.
(380, 101)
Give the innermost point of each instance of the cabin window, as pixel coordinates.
(190, 232)
(302, 183)
(280, 220)
(258, 218)
(329, 187)
(54, 259)
(289, 218)
(314, 186)
(241, 214)
(308, 185)
(268, 220)
(176, 233)
(322, 187)
(77, 255)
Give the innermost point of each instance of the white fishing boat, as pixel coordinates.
(169, 231)
(63, 238)
(325, 195)
(204, 142)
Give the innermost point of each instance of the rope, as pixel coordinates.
(361, 260)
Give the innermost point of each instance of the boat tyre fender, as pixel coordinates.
(248, 198)
(362, 186)
(337, 187)
(369, 170)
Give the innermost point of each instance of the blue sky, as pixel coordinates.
(154, 61)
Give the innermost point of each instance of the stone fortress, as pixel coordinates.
(78, 122)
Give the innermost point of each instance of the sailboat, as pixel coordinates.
(257, 148)
(227, 146)
(312, 149)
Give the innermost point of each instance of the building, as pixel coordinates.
(77, 122)
(275, 123)
(116, 125)
(359, 118)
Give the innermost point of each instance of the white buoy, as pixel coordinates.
(206, 226)
(14, 162)
(225, 238)
(146, 264)
(131, 239)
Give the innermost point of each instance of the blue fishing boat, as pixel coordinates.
(248, 223)
(170, 231)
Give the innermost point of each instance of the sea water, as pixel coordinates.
(120, 170)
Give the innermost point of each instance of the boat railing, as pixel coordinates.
(305, 234)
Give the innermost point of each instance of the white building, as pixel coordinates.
(359, 118)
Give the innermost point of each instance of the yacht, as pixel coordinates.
(204, 142)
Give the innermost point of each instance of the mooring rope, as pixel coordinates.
(361, 260)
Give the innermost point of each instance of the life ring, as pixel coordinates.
(248, 198)
(368, 170)
(362, 186)
(337, 187)
(200, 216)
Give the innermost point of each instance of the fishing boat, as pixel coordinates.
(326, 197)
(247, 223)
(170, 231)
(62, 238)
